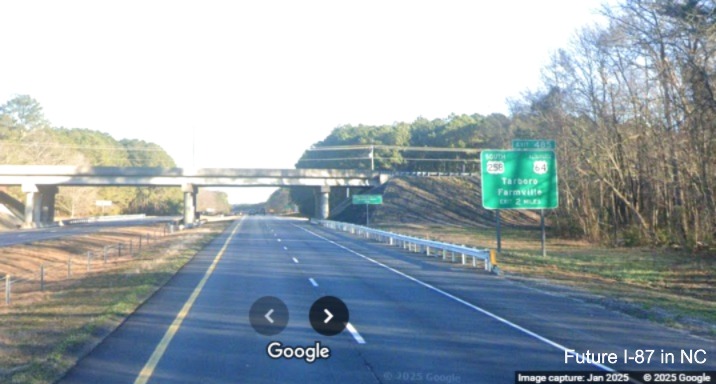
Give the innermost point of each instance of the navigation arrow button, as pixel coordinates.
(268, 315)
(328, 315)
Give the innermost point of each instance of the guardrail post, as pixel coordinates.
(8, 287)
(453, 256)
(493, 259)
(444, 254)
(42, 277)
(427, 251)
(474, 261)
(89, 260)
(390, 241)
(463, 258)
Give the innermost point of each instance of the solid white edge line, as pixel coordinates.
(313, 282)
(461, 301)
(285, 248)
(295, 260)
(354, 332)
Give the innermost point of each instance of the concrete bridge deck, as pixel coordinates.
(40, 182)
(204, 177)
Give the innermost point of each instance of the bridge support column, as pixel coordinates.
(324, 209)
(190, 191)
(32, 205)
(47, 203)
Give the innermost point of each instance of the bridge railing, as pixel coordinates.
(446, 251)
(101, 219)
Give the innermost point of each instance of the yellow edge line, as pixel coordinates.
(146, 373)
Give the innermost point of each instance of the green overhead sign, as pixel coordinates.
(367, 199)
(519, 179)
(533, 144)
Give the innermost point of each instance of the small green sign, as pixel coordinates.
(533, 144)
(519, 179)
(367, 199)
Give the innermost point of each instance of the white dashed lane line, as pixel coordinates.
(313, 282)
(354, 332)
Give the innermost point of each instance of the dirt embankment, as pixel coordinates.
(443, 200)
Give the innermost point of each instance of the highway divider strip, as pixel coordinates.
(148, 370)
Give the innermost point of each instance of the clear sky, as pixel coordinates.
(251, 84)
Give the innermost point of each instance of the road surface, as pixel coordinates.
(412, 319)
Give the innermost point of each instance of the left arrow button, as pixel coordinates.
(268, 315)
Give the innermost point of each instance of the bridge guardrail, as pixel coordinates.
(99, 219)
(415, 244)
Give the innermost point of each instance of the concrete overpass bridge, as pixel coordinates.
(40, 183)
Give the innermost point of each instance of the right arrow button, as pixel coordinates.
(329, 315)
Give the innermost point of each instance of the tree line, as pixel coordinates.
(26, 137)
(632, 107)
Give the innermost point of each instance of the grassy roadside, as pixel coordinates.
(666, 286)
(43, 335)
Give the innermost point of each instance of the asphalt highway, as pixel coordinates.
(411, 319)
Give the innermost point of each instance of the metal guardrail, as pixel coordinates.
(447, 251)
(433, 173)
(100, 219)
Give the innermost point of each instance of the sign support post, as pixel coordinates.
(367, 216)
(499, 231)
(544, 235)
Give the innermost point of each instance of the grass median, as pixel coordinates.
(671, 287)
(44, 333)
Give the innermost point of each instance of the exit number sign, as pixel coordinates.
(533, 144)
